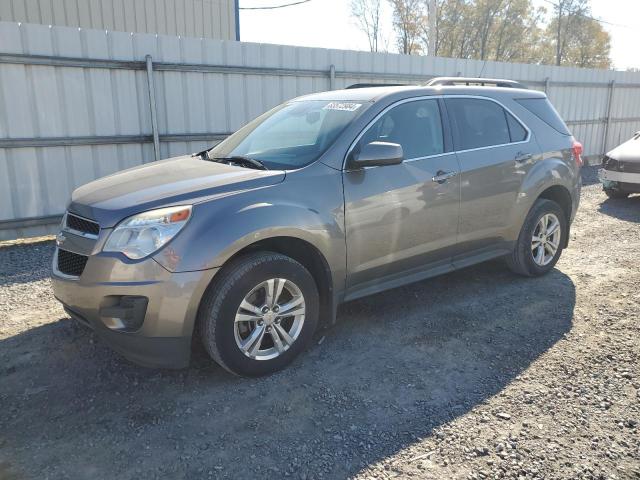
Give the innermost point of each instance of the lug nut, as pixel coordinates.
(276, 308)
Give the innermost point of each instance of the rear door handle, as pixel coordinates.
(441, 176)
(522, 157)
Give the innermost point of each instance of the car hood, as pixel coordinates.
(175, 181)
(629, 151)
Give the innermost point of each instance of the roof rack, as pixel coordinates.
(367, 85)
(474, 81)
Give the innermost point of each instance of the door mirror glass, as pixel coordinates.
(377, 154)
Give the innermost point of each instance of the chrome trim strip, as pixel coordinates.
(405, 161)
(494, 146)
(65, 228)
(428, 156)
(79, 233)
(429, 97)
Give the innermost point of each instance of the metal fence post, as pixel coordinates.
(605, 137)
(152, 106)
(332, 77)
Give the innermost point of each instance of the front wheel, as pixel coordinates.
(259, 314)
(541, 240)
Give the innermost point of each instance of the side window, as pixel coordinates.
(542, 108)
(516, 130)
(414, 125)
(480, 123)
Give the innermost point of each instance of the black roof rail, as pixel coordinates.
(474, 81)
(367, 85)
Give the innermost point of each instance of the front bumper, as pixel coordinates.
(627, 181)
(164, 337)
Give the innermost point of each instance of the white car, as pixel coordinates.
(620, 173)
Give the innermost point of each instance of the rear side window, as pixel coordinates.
(478, 123)
(516, 131)
(415, 125)
(542, 108)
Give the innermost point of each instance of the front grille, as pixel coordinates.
(82, 224)
(71, 263)
(609, 163)
(624, 166)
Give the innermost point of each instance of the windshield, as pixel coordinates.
(292, 135)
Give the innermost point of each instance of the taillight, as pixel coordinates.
(577, 152)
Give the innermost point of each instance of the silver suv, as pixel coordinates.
(249, 246)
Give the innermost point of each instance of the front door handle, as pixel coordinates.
(523, 157)
(441, 176)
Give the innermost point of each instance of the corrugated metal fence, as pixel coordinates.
(76, 105)
(198, 18)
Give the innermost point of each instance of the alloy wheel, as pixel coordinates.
(269, 319)
(546, 239)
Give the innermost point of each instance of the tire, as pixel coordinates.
(522, 261)
(222, 335)
(615, 194)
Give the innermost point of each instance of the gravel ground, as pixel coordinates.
(476, 374)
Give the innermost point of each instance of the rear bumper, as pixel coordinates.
(164, 337)
(577, 194)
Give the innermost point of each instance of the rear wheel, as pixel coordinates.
(259, 314)
(541, 240)
(615, 193)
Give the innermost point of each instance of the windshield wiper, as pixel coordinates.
(242, 160)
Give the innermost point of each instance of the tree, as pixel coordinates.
(501, 30)
(367, 16)
(452, 31)
(583, 43)
(516, 35)
(590, 47)
(567, 14)
(432, 29)
(408, 19)
(486, 17)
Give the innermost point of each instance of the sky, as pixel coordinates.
(328, 24)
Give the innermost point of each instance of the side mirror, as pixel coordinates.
(376, 154)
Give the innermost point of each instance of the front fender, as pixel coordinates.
(213, 240)
(307, 206)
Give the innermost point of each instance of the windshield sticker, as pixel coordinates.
(342, 106)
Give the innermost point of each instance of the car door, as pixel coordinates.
(402, 219)
(495, 151)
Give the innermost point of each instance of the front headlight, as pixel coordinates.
(145, 233)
